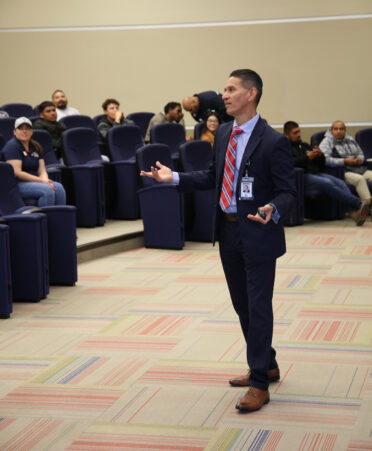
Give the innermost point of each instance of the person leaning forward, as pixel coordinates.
(249, 243)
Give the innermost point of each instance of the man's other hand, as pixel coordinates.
(268, 209)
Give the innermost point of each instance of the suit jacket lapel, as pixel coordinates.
(252, 145)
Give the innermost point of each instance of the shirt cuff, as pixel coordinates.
(176, 178)
(275, 216)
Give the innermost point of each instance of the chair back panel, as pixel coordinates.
(173, 135)
(196, 155)
(45, 140)
(7, 127)
(197, 129)
(123, 142)
(78, 120)
(142, 119)
(80, 146)
(364, 139)
(18, 109)
(317, 138)
(10, 198)
(2, 144)
(148, 155)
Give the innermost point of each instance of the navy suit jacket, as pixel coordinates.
(271, 165)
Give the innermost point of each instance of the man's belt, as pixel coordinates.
(232, 217)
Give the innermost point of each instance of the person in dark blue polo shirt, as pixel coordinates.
(25, 155)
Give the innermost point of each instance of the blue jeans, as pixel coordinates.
(333, 186)
(44, 193)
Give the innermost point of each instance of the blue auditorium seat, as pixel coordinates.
(18, 109)
(60, 223)
(5, 273)
(320, 206)
(7, 127)
(124, 140)
(200, 205)
(81, 147)
(161, 204)
(142, 119)
(53, 167)
(296, 215)
(364, 139)
(171, 134)
(197, 129)
(78, 120)
(317, 138)
(2, 143)
(82, 156)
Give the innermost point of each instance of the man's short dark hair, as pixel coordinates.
(249, 78)
(171, 106)
(108, 102)
(289, 126)
(44, 105)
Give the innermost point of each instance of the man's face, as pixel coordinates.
(294, 135)
(23, 133)
(49, 114)
(176, 114)
(111, 110)
(237, 97)
(338, 130)
(59, 99)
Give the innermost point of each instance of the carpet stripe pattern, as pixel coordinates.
(137, 355)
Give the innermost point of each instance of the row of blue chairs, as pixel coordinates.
(99, 188)
(170, 217)
(141, 118)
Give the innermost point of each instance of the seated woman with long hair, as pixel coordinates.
(211, 125)
(25, 155)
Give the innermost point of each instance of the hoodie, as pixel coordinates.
(335, 150)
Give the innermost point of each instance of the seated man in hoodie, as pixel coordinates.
(312, 161)
(48, 122)
(341, 149)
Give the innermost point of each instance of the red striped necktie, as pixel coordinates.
(228, 173)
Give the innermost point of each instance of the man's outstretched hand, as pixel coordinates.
(160, 173)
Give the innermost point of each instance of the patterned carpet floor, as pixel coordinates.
(137, 355)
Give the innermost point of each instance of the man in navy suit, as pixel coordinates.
(247, 225)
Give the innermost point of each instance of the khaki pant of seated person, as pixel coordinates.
(360, 183)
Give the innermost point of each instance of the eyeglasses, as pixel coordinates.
(213, 121)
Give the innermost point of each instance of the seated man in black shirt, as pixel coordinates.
(200, 105)
(48, 122)
(312, 160)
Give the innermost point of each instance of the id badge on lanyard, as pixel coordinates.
(246, 185)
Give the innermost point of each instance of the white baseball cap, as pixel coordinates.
(22, 120)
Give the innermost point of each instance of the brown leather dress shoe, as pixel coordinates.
(243, 381)
(253, 400)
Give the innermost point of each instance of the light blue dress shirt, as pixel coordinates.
(241, 144)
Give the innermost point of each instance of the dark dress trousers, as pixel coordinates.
(249, 249)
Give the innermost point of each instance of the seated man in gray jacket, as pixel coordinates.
(172, 113)
(341, 149)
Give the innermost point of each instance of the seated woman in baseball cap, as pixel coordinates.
(25, 155)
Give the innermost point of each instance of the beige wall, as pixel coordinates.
(313, 71)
